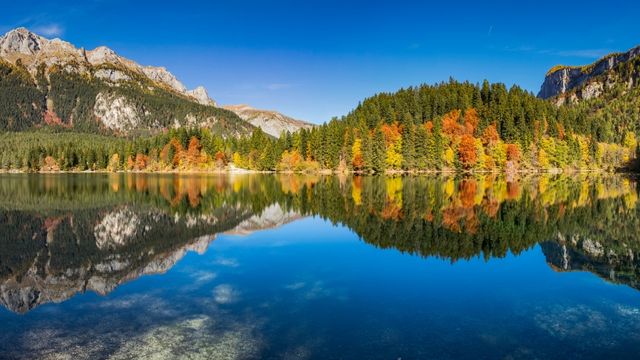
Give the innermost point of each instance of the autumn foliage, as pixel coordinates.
(467, 151)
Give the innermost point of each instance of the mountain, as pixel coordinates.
(574, 83)
(271, 122)
(51, 82)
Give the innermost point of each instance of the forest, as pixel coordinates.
(450, 126)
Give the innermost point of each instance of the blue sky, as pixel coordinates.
(318, 59)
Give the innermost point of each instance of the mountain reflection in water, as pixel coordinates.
(61, 235)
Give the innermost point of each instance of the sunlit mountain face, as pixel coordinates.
(127, 266)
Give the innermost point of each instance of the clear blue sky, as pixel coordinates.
(318, 59)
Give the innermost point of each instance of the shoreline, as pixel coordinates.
(237, 171)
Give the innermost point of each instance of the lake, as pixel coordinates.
(121, 266)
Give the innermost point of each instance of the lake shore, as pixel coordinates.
(324, 172)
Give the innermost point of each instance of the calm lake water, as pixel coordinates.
(103, 266)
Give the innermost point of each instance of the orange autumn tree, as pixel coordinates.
(429, 126)
(490, 135)
(130, 163)
(140, 162)
(467, 151)
(451, 125)
(220, 159)
(290, 161)
(471, 120)
(460, 136)
(179, 151)
(513, 152)
(195, 157)
(490, 139)
(172, 153)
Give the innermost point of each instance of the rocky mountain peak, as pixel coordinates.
(101, 55)
(202, 96)
(160, 74)
(22, 41)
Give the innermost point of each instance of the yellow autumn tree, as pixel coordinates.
(543, 159)
(237, 160)
(631, 144)
(357, 159)
(393, 142)
(449, 157)
(114, 163)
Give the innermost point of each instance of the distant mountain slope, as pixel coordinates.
(271, 122)
(50, 82)
(575, 83)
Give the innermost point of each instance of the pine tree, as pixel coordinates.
(379, 151)
(421, 149)
(367, 151)
(408, 148)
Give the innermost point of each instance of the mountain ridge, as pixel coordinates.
(50, 82)
(33, 49)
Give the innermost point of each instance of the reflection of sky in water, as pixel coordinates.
(312, 290)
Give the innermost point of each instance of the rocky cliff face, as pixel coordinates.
(202, 96)
(271, 122)
(572, 84)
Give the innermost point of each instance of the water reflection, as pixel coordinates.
(61, 235)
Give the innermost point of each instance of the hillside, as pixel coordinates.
(271, 122)
(51, 83)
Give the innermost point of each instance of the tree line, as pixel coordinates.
(456, 126)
